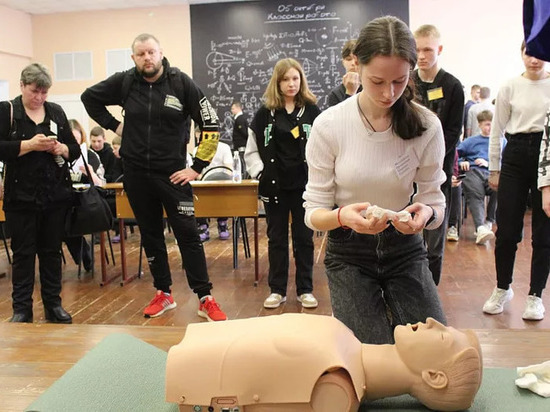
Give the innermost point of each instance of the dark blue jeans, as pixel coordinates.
(518, 178)
(371, 275)
(289, 201)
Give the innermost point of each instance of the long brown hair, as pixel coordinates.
(389, 36)
(274, 98)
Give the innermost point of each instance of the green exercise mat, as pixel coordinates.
(123, 373)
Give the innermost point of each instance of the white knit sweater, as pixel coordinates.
(521, 106)
(349, 164)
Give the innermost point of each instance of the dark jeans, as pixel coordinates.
(302, 243)
(371, 275)
(476, 187)
(435, 239)
(518, 178)
(455, 208)
(36, 233)
(148, 195)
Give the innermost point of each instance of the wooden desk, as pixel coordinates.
(211, 199)
(34, 356)
(2, 215)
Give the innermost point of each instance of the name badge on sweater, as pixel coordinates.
(405, 164)
(295, 132)
(435, 94)
(53, 127)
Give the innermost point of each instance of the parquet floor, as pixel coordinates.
(468, 279)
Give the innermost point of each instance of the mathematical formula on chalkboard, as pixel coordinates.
(236, 46)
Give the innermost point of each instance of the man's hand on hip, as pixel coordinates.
(183, 176)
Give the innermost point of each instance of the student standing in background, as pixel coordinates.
(275, 154)
(443, 94)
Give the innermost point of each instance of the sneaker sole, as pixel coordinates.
(485, 238)
(452, 239)
(524, 317)
(169, 307)
(307, 305)
(501, 309)
(275, 305)
(205, 316)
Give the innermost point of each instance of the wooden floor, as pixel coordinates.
(468, 279)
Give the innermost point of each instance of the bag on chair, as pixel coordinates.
(89, 212)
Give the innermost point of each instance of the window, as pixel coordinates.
(118, 60)
(73, 66)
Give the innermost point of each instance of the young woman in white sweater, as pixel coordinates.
(378, 148)
(520, 110)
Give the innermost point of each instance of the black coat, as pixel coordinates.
(34, 180)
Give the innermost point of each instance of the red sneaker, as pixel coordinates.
(210, 310)
(160, 304)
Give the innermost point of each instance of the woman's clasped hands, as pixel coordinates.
(369, 219)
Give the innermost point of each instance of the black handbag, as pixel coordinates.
(89, 212)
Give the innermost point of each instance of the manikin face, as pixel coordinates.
(33, 97)
(350, 64)
(290, 83)
(428, 345)
(97, 142)
(384, 80)
(428, 50)
(533, 66)
(147, 57)
(485, 127)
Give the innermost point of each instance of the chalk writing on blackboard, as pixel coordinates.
(235, 59)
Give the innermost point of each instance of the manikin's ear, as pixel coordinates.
(435, 379)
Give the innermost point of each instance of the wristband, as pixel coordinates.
(339, 221)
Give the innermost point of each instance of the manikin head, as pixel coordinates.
(447, 363)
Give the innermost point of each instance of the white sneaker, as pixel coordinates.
(534, 309)
(308, 300)
(495, 304)
(452, 234)
(483, 234)
(274, 301)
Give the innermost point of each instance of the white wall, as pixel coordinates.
(481, 38)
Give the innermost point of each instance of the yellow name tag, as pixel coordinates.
(434, 94)
(295, 132)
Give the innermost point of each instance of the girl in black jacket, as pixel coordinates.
(275, 154)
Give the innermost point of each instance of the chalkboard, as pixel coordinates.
(236, 45)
